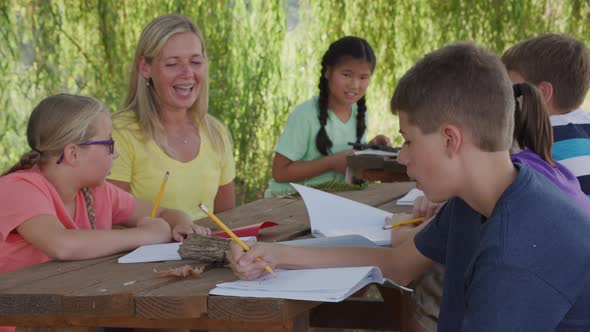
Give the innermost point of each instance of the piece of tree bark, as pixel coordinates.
(204, 249)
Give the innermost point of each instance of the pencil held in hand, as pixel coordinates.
(230, 233)
(160, 194)
(407, 222)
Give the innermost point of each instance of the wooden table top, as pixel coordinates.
(101, 292)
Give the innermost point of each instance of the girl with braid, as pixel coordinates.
(314, 144)
(55, 203)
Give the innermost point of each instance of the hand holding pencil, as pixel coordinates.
(403, 223)
(230, 233)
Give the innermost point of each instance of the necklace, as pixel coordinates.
(187, 133)
(183, 140)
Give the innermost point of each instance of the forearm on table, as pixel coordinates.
(297, 171)
(401, 264)
(86, 244)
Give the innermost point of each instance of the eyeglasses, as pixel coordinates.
(110, 145)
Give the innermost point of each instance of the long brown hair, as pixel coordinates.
(532, 128)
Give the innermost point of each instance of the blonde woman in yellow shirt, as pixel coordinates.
(165, 126)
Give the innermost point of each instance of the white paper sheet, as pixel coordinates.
(159, 252)
(153, 253)
(376, 152)
(409, 198)
(332, 215)
(353, 240)
(328, 285)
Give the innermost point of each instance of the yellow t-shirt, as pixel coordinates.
(143, 164)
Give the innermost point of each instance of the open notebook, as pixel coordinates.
(327, 285)
(331, 215)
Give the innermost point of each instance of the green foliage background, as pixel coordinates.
(264, 55)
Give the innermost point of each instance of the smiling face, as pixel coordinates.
(348, 81)
(177, 73)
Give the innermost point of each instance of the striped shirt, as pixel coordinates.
(571, 147)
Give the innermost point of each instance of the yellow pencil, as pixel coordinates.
(407, 222)
(157, 202)
(230, 233)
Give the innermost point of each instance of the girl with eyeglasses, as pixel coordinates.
(55, 202)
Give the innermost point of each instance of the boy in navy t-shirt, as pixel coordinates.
(515, 247)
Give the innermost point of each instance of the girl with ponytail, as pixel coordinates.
(314, 144)
(55, 202)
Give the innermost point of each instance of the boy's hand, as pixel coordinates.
(425, 208)
(181, 231)
(155, 230)
(400, 234)
(245, 265)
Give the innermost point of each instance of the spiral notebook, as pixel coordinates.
(327, 285)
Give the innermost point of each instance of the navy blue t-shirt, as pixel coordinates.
(526, 268)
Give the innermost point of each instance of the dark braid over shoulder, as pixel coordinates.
(322, 141)
(27, 161)
(89, 206)
(360, 119)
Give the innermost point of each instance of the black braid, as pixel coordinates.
(322, 141)
(360, 119)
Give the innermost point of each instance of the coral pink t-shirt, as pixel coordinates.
(26, 194)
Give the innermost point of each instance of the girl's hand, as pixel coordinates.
(245, 265)
(155, 230)
(381, 140)
(181, 231)
(425, 208)
(339, 160)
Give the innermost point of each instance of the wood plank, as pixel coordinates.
(185, 298)
(105, 289)
(193, 323)
(256, 309)
(362, 313)
(44, 271)
(55, 329)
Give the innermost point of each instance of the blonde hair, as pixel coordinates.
(57, 121)
(142, 100)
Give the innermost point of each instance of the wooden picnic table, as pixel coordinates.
(81, 295)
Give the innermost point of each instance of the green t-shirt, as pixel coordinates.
(297, 142)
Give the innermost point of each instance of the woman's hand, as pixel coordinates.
(181, 231)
